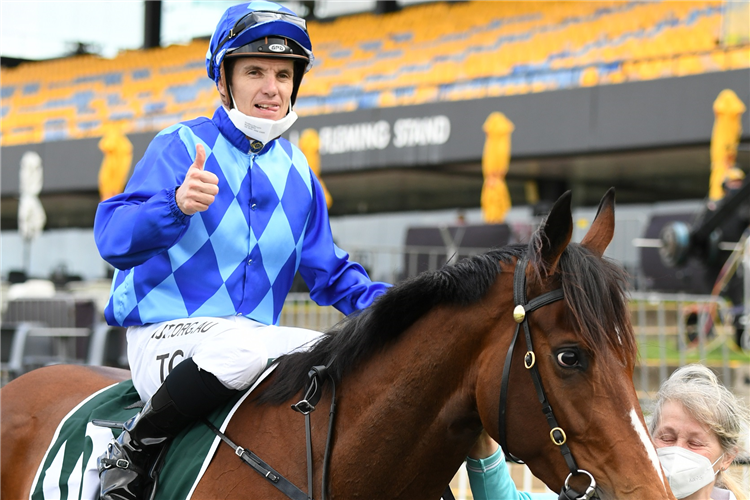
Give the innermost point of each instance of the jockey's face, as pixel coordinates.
(262, 87)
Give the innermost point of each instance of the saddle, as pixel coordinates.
(69, 464)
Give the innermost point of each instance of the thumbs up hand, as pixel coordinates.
(199, 189)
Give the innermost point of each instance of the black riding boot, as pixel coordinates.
(125, 468)
(187, 393)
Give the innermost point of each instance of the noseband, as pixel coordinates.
(557, 435)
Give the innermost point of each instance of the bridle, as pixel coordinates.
(557, 434)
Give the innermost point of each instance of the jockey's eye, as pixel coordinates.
(568, 358)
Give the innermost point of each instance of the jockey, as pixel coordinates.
(206, 239)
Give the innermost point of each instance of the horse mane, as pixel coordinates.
(594, 291)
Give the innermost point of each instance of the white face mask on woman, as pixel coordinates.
(686, 471)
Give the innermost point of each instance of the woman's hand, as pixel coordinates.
(484, 447)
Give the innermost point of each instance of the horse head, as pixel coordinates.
(580, 423)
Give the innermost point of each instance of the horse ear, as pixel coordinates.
(556, 233)
(603, 228)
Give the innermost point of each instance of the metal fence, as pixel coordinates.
(300, 311)
(673, 330)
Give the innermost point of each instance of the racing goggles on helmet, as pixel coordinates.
(253, 19)
(265, 16)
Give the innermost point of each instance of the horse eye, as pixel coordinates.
(568, 359)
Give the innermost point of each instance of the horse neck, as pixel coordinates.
(414, 403)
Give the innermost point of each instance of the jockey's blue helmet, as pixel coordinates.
(260, 29)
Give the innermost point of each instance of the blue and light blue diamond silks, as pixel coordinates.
(239, 256)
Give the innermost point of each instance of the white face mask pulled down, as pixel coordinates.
(686, 471)
(261, 130)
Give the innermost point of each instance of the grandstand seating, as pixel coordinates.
(425, 53)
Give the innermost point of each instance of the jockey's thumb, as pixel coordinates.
(200, 157)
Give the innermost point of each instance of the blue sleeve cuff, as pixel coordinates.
(490, 480)
(181, 216)
(482, 465)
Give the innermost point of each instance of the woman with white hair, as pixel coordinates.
(697, 425)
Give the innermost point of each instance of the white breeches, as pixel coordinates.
(234, 348)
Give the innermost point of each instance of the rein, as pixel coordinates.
(305, 407)
(557, 434)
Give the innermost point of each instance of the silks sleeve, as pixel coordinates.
(145, 220)
(329, 274)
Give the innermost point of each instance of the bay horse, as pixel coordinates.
(419, 375)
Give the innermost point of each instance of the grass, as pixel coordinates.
(652, 352)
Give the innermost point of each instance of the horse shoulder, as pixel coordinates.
(32, 407)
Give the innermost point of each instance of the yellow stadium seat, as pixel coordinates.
(689, 65)
(738, 58)
(427, 46)
(590, 77)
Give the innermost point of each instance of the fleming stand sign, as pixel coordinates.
(370, 136)
(389, 138)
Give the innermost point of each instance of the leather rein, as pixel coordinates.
(306, 406)
(557, 434)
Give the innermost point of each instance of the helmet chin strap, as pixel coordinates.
(260, 130)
